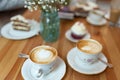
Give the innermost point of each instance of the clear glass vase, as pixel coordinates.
(50, 26)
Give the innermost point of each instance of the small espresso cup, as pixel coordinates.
(96, 15)
(89, 50)
(43, 59)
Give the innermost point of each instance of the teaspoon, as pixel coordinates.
(21, 55)
(106, 63)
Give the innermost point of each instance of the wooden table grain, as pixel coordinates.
(109, 37)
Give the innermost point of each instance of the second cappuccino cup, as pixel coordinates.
(89, 50)
(43, 58)
(96, 16)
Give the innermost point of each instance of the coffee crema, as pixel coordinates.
(89, 46)
(43, 54)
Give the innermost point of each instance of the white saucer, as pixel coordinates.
(10, 33)
(103, 22)
(56, 74)
(91, 5)
(69, 37)
(83, 68)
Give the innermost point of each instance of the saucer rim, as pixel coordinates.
(28, 77)
(74, 68)
(89, 5)
(67, 35)
(98, 24)
(5, 32)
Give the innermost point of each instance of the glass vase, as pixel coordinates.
(50, 26)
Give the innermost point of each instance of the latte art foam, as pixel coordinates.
(43, 54)
(89, 46)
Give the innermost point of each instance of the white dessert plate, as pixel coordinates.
(8, 32)
(83, 68)
(56, 74)
(91, 5)
(102, 22)
(69, 37)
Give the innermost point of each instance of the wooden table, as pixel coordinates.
(109, 37)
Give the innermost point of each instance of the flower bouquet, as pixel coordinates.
(45, 5)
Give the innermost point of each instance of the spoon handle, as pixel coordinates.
(106, 63)
(21, 55)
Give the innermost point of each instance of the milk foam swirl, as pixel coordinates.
(89, 46)
(43, 54)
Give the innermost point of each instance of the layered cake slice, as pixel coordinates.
(20, 23)
(78, 30)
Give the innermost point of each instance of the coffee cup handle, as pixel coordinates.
(40, 73)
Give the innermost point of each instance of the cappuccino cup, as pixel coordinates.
(96, 16)
(89, 50)
(43, 60)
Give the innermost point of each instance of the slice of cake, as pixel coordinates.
(78, 30)
(81, 12)
(20, 23)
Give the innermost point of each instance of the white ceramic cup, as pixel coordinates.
(96, 15)
(89, 50)
(43, 59)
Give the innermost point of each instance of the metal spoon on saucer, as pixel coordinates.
(40, 72)
(106, 63)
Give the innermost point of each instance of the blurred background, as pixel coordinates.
(9, 8)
